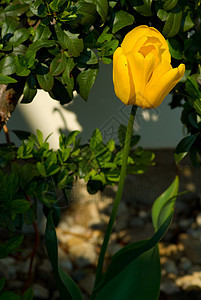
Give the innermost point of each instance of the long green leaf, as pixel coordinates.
(140, 280)
(164, 204)
(66, 286)
(128, 254)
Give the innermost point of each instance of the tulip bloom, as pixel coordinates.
(142, 71)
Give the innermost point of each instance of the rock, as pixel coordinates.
(45, 266)
(192, 248)
(40, 291)
(123, 217)
(198, 220)
(87, 283)
(170, 267)
(185, 223)
(136, 222)
(82, 253)
(15, 284)
(190, 282)
(9, 263)
(113, 248)
(169, 287)
(169, 250)
(185, 264)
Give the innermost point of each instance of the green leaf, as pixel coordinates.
(8, 27)
(2, 283)
(22, 63)
(60, 92)
(162, 14)
(40, 44)
(88, 57)
(19, 206)
(14, 243)
(188, 23)
(128, 267)
(67, 78)
(38, 8)
(109, 47)
(101, 7)
(6, 79)
(85, 82)
(42, 33)
(8, 295)
(20, 36)
(183, 147)
(69, 41)
(175, 48)
(143, 9)
(172, 24)
(96, 140)
(58, 64)
(28, 93)
(169, 4)
(7, 65)
(121, 20)
(28, 294)
(86, 12)
(164, 204)
(66, 286)
(46, 81)
(39, 137)
(192, 88)
(15, 10)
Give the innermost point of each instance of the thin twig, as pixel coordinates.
(5, 129)
(33, 254)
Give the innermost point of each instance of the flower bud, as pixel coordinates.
(142, 71)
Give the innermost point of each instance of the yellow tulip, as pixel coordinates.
(142, 71)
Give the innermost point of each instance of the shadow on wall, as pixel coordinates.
(160, 128)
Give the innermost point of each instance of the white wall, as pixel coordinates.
(160, 128)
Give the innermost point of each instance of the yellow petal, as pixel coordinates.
(141, 69)
(145, 33)
(121, 76)
(159, 87)
(132, 37)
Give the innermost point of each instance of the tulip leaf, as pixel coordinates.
(85, 82)
(66, 286)
(122, 19)
(172, 24)
(137, 282)
(184, 147)
(164, 204)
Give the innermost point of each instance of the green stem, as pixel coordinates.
(118, 195)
